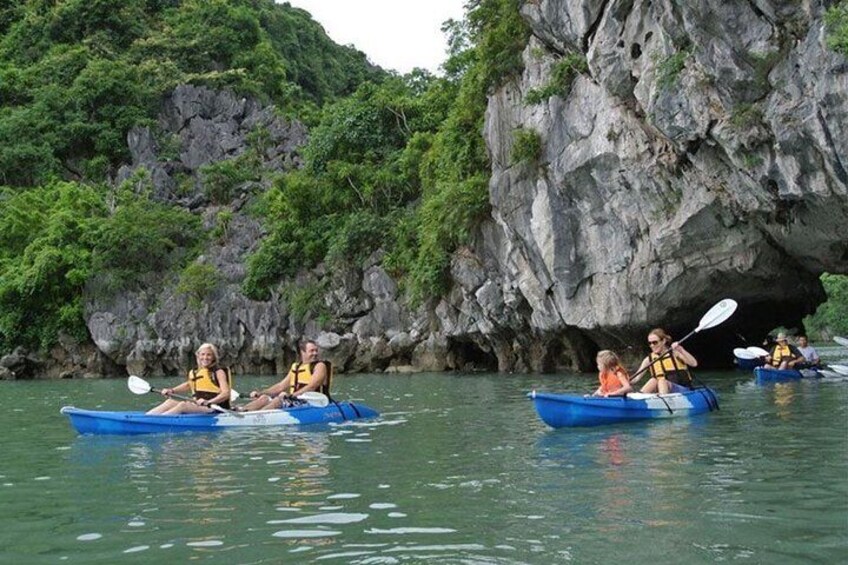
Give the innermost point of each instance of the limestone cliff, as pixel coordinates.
(701, 155)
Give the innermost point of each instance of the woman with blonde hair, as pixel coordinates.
(208, 383)
(613, 377)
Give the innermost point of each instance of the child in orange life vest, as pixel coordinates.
(613, 377)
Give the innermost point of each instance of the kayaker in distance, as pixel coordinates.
(811, 356)
(668, 364)
(307, 375)
(784, 355)
(208, 383)
(613, 377)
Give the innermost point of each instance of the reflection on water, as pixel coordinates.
(458, 470)
(784, 394)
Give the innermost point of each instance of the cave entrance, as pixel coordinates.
(469, 356)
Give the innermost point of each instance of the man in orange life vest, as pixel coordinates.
(310, 374)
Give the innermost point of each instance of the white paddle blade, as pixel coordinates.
(758, 351)
(841, 340)
(315, 398)
(234, 395)
(841, 369)
(717, 314)
(137, 385)
(742, 353)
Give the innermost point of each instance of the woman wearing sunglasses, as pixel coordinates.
(668, 364)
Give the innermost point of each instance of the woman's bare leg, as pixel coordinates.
(164, 407)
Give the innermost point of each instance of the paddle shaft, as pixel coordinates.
(190, 399)
(662, 356)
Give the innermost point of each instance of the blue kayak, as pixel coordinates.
(127, 423)
(568, 410)
(748, 364)
(766, 376)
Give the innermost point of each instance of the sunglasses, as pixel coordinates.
(653, 342)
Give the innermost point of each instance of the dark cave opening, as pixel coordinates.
(469, 356)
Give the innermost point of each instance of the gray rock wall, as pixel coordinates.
(656, 195)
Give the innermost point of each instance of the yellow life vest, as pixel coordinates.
(670, 367)
(780, 353)
(301, 376)
(205, 380)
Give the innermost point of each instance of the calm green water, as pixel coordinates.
(457, 470)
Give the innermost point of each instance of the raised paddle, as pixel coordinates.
(137, 385)
(719, 313)
(841, 340)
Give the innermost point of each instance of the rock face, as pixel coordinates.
(701, 155)
(198, 127)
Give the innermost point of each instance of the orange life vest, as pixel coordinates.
(609, 379)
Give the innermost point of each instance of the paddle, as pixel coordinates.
(841, 340)
(137, 385)
(313, 398)
(841, 369)
(758, 351)
(742, 353)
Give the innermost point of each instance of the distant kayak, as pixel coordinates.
(767, 376)
(748, 364)
(567, 410)
(126, 423)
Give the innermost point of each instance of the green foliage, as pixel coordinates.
(751, 160)
(197, 282)
(499, 35)
(306, 302)
(362, 163)
(745, 116)
(45, 260)
(359, 235)
(831, 318)
(143, 236)
(669, 68)
(222, 225)
(56, 238)
(220, 179)
(399, 166)
(526, 146)
(563, 73)
(836, 22)
(455, 171)
(446, 220)
(76, 75)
